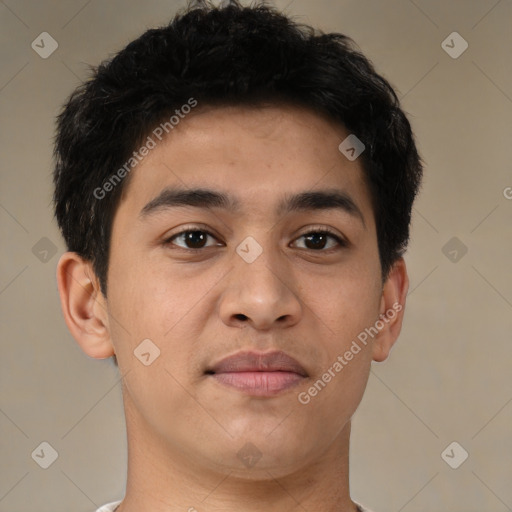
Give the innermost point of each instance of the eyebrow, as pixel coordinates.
(329, 199)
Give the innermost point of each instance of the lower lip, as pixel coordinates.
(259, 383)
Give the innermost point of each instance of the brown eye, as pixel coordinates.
(191, 238)
(317, 240)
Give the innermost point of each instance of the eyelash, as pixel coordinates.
(314, 230)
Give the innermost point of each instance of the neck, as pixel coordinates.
(161, 479)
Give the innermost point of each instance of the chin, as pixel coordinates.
(259, 457)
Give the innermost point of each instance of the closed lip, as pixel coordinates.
(251, 361)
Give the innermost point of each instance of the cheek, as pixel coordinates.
(345, 305)
(155, 302)
(346, 301)
(135, 307)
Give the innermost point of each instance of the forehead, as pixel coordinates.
(257, 156)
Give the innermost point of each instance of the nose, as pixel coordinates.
(261, 294)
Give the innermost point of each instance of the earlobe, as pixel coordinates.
(392, 308)
(84, 306)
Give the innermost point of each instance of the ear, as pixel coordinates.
(392, 307)
(84, 306)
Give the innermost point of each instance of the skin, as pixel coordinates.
(184, 429)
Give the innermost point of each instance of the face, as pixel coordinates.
(205, 279)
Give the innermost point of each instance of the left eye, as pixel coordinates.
(318, 240)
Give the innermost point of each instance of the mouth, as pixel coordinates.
(258, 374)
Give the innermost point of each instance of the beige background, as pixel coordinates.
(448, 378)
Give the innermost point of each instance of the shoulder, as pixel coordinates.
(361, 508)
(109, 507)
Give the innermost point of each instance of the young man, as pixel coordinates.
(235, 193)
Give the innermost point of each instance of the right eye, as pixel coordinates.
(192, 239)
